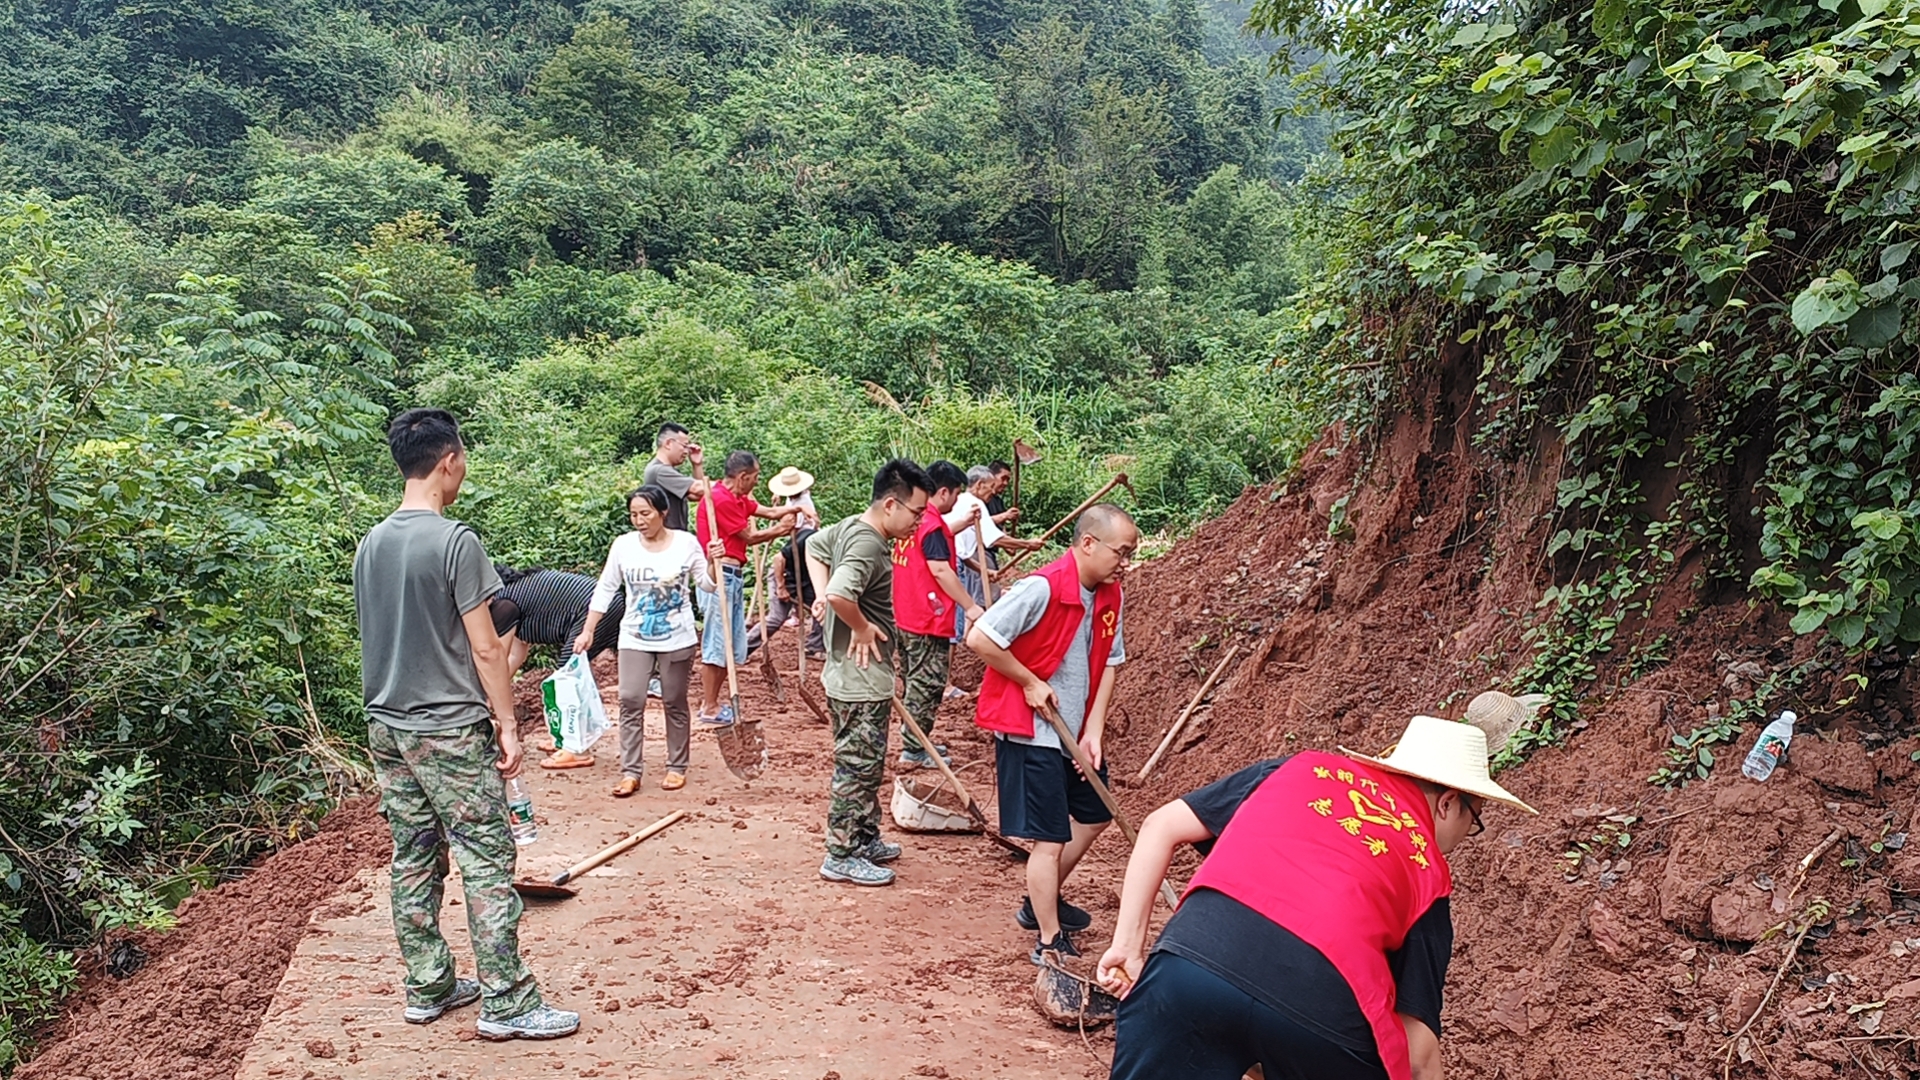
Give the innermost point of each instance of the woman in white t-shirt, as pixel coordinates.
(658, 568)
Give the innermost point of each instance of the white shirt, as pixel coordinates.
(964, 544)
(659, 587)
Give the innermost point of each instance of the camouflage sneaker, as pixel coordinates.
(855, 870)
(878, 851)
(545, 1022)
(465, 992)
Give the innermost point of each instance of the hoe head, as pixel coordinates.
(1024, 454)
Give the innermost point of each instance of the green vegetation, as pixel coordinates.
(236, 238)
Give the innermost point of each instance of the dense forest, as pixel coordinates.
(238, 236)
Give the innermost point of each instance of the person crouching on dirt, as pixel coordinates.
(657, 569)
(1054, 640)
(926, 593)
(442, 735)
(851, 564)
(1314, 939)
(734, 507)
(546, 607)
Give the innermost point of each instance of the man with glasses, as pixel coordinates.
(1315, 937)
(1054, 640)
(851, 565)
(673, 447)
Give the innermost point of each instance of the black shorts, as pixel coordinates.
(1040, 791)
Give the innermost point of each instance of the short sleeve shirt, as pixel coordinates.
(676, 484)
(1019, 611)
(415, 575)
(735, 514)
(965, 543)
(859, 568)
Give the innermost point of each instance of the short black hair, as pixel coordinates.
(945, 474)
(511, 574)
(666, 429)
(655, 495)
(999, 466)
(739, 461)
(419, 438)
(900, 478)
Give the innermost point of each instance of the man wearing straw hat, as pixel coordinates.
(1314, 939)
(792, 590)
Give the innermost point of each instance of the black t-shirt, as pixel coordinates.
(1276, 967)
(935, 547)
(996, 506)
(793, 563)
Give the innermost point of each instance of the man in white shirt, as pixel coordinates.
(981, 485)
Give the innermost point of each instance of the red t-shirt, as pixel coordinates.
(736, 516)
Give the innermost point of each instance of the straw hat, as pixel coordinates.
(790, 482)
(1450, 754)
(1500, 715)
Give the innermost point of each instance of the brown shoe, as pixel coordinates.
(627, 786)
(567, 759)
(673, 781)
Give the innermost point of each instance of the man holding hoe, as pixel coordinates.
(926, 593)
(973, 525)
(1053, 641)
(1314, 940)
(851, 564)
(442, 735)
(734, 508)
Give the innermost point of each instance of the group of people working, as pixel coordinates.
(1313, 941)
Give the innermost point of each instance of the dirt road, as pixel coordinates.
(712, 950)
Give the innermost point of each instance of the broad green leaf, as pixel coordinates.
(1882, 524)
(1807, 620)
(1554, 147)
(1873, 327)
(1894, 256)
(1862, 142)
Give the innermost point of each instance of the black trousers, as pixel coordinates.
(1183, 1022)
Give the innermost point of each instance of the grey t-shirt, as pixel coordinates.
(415, 575)
(676, 484)
(1019, 611)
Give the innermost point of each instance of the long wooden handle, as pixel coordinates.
(1100, 788)
(1181, 720)
(726, 616)
(614, 849)
(946, 770)
(980, 556)
(1118, 479)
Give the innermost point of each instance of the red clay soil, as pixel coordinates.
(1674, 950)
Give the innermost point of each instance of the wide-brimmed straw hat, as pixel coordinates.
(790, 482)
(1445, 752)
(1500, 715)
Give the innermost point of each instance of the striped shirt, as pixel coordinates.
(553, 608)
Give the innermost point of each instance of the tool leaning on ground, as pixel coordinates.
(764, 602)
(743, 746)
(946, 770)
(1119, 480)
(558, 889)
(1100, 788)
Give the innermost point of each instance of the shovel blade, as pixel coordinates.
(743, 747)
(544, 890)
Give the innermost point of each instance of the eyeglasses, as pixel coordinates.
(1473, 808)
(1126, 554)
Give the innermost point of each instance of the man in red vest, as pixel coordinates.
(1314, 940)
(1054, 639)
(926, 593)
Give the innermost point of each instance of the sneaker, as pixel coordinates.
(856, 870)
(545, 1022)
(465, 992)
(878, 851)
(1063, 945)
(1071, 918)
(653, 688)
(920, 759)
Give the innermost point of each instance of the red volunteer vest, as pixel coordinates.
(919, 605)
(1003, 706)
(1343, 855)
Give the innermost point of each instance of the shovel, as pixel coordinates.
(1100, 788)
(742, 745)
(764, 601)
(973, 808)
(558, 889)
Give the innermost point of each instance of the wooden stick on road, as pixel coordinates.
(1119, 479)
(1100, 788)
(1181, 720)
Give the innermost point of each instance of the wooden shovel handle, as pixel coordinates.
(946, 770)
(614, 849)
(1100, 788)
(726, 615)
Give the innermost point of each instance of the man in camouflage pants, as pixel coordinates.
(926, 593)
(851, 566)
(442, 734)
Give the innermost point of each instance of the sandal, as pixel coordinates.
(567, 759)
(627, 786)
(673, 781)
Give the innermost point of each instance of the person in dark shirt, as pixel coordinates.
(548, 607)
(1315, 938)
(788, 583)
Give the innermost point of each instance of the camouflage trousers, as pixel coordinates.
(924, 661)
(859, 760)
(440, 793)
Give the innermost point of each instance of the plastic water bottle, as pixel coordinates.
(520, 813)
(1771, 748)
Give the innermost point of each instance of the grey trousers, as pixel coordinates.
(637, 667)
(777, 612)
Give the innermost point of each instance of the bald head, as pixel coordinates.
(1108, 522)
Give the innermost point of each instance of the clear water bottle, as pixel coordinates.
(1772, 746)
(520, 813)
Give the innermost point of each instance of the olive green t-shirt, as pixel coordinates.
(414, 576)
(859, 568)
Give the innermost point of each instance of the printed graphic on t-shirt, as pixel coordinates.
(655, 600)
